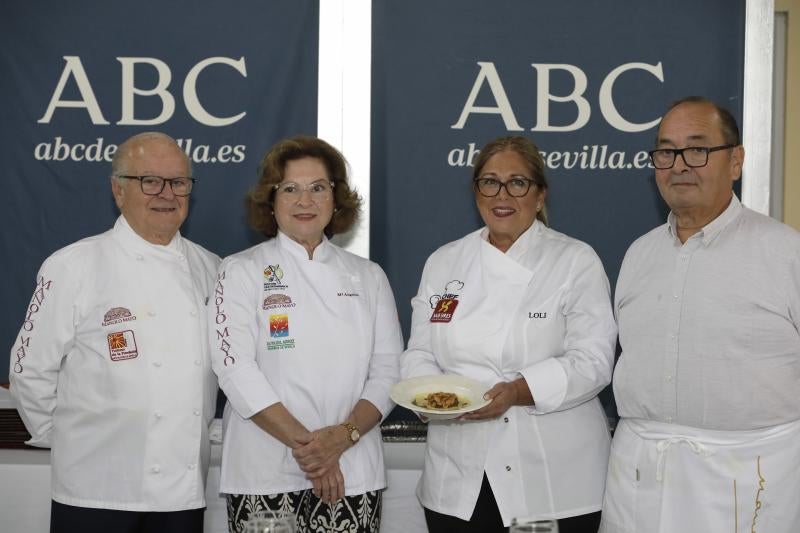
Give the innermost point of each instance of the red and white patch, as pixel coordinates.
(443, 312)
(122, 345)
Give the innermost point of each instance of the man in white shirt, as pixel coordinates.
(707, 385)
(111, 367)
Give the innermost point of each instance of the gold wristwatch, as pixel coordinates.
(352, 432)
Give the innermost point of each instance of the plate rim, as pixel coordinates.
(455, 412)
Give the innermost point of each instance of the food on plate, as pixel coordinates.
(439, 400)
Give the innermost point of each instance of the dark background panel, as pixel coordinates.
(426, 61)
(48, 202)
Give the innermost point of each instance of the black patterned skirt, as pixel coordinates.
(352, 514)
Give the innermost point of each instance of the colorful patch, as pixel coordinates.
(277, 301)
(122, 345)
(278, 326)
(273, 274)
(117, 315)
(443, 312)
(444, 305)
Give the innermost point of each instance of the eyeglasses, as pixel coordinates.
(693, 156)
(517, 186)
(154, 185)
(320, 190)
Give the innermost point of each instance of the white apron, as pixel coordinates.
(665, 478)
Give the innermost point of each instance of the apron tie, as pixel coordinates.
(663, 446)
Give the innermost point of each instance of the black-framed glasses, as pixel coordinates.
(517, 186)
(693, 156)
(154, 185)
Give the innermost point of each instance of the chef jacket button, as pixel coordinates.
(505, 419)
(156, 469)
(508, 468)
(140, 258)
(191, 466)
(668, 379)
(197, 362)
(156, 364)
(157, 414)
(197, 412)
(668, 419)
(675, 296)
(151, 313)
(193, 312)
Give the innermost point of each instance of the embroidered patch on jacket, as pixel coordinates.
(443, 312)
(273, 278)
(122, 345)
(117, 315)
(278, 326)
(278, 301)
(279, 329)
(444, 305)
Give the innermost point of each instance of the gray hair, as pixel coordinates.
(124, 151)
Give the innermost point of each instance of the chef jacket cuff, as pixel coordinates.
(40, 442)
(249, 393)
(420, 369)
(379, 397)
(547, 382)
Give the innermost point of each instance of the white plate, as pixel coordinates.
(470, 390)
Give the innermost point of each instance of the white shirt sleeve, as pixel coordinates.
(418, 359)
(384, 370)
(233, 334)
(46, 336)
(794, 290)
(586, 365)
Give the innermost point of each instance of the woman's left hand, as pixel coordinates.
(503, 395)
(329, 487)
(323, 452)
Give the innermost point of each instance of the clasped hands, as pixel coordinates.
(318, 456)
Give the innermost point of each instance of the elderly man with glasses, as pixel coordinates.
(111, 366)
(708, 382)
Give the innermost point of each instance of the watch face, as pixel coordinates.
(355, 435)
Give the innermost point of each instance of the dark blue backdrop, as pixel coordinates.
(525, 62)
(120, 61)
(428, 56)
(523, 59)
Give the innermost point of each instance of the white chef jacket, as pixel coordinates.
(316, 335)
(111, 370)
(541, 311)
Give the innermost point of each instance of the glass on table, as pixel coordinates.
(528, 525)
(270, 522)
